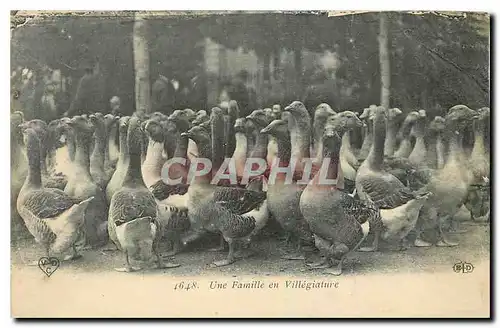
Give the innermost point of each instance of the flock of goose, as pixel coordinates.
(97, 180)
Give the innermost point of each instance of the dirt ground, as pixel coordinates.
(474, 246)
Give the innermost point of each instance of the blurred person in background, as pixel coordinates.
(244, 95)
(115, 104)
(48, 110)
(163, 95)
(89, 96)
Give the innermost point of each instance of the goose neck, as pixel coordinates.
(376, 155)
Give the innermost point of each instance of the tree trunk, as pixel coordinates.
(141, 65)
(276, 63)
(266, 69)
(298, 69)
(385, 73)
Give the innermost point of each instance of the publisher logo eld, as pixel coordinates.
(463, 267)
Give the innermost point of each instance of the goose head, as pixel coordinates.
(437, 125)
(297, 109)
(459, 116)
(239, 126)
(123, 124)
(198, 134)
(322, 111)
(259, 118)
(277, 129)
(158, 116)
(110, 121)
(80, 125)
(39, 126)
(335, 127)
(377, 114)
(365, 114)
(344, 121)
(97, 121)
(201, 117)
(408, 123)
(191, 115)
(153, 130)
(181, 119)
(393, 114)
(134, 135)
(55, 131)
(32, 141)
(483, 114)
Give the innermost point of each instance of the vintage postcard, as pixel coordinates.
(250, 164)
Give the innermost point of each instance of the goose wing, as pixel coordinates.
(238, 200)
(385, 190)
(361, 211)
(233, 225)
(162, 191)
(128, 205)
(48, 203)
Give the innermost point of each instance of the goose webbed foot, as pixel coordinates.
(446, 243)
(421, 243)
(335, 270)
(221, 247)
(323, 264)
(128, 267)
(443, 240)
(373, 247)
(73, 256)
(230, 256)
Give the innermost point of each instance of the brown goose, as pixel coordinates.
(260, 120)
(405, 146)
(338, 221)
(234, 212)
(97, 158)
(171, 198)
(449, 185)
(393, 120)
(51, 216)
(283, 193)
(118, 176)
(48, 180)
(399, 206)
(81, 186)
(19, 171)
(321, 114)
(418, 154)
(479, 165)
(367, 133)
(134, 225)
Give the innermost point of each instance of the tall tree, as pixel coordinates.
(385, 64)
(141, 64)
